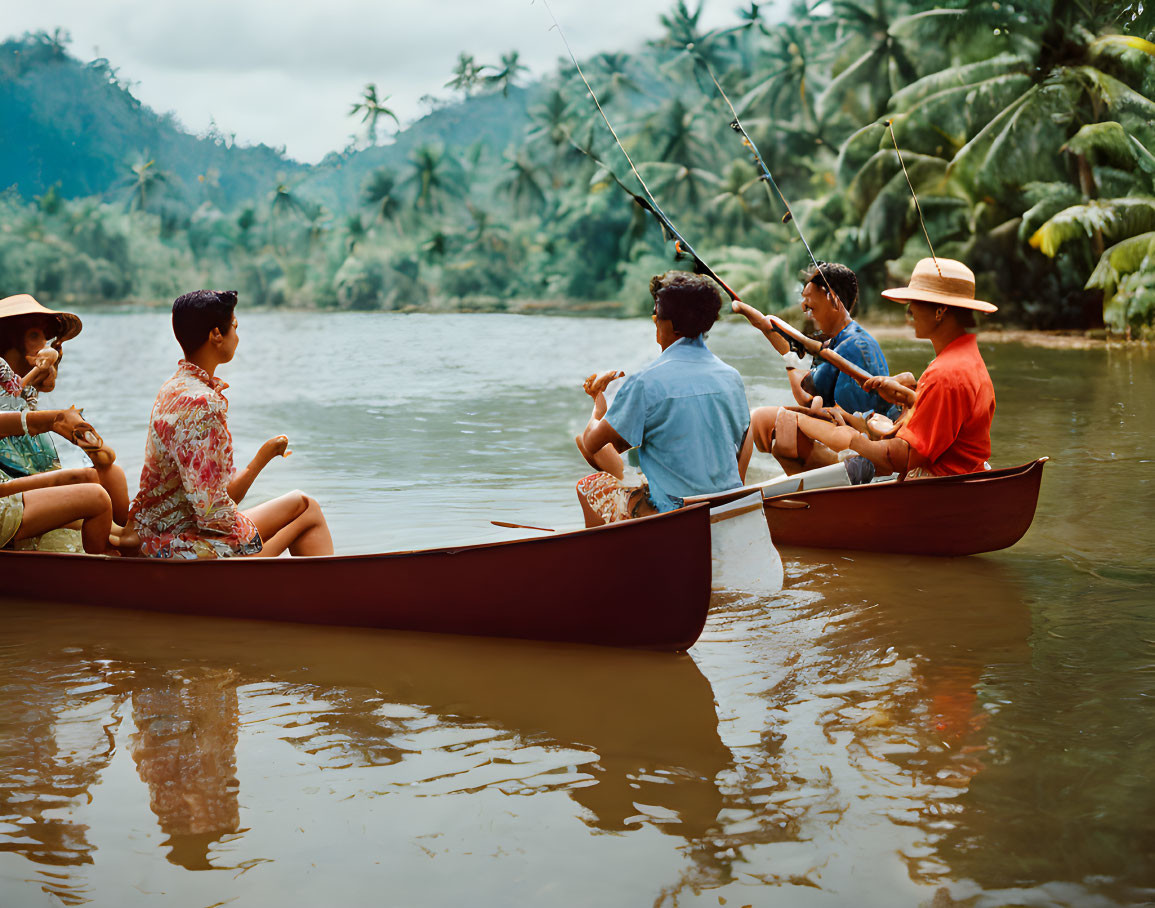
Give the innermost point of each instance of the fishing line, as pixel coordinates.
(680, 244)
(914, 195)
(767, 177)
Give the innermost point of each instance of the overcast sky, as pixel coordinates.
(286, 73)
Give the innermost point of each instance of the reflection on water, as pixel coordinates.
(185, 751)
(888, 730)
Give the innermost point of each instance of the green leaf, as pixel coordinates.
(1046, 200)
(858, 149)
(1114, 218)
(955, 77)
(1131, 256)
(1103, 143)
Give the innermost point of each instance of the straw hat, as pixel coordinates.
(67, 324)
(954, 286)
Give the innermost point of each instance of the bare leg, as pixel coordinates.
(593, 518)
(112, 478)
(293, 522)
(744, 453)
(51, 508)
(762, 427)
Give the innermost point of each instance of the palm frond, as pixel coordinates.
(1115, 219)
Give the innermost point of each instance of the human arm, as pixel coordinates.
(889, 455)
(620, 427)
(42, 375)
(243, 479)
(63, 422)
(606, 458)
(896, 389)
(763, 324)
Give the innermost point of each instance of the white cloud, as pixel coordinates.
(285, 74)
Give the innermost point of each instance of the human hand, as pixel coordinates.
(68, 422)
(597, 384)
(277, 446)
(748, 312)
(889, 389)
(46, 357)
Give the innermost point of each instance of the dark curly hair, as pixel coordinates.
(691, 301)
(837, 281)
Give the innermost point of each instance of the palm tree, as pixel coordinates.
(522, 185)
(614, 70)
(507, 74)
(146, 183)
(283, 204)
(431, 179)
(466, 75)
(372, 109)
(381, 194)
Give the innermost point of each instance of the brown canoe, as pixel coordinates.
(611, 585)
(943, 515)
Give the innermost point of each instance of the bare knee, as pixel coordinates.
(306, 505)
(93, 499)
(762, 427)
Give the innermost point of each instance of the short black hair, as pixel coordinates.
(691, 301)
(195, 314)
(837, 281)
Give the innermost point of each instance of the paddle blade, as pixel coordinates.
(744, 557)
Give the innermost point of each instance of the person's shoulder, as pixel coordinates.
(183, 393)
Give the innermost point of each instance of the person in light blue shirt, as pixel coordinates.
(829, 297)
(685, 413)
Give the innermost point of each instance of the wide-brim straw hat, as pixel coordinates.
(67, 324)
(944, 282)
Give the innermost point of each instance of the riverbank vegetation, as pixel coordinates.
(1028, 130)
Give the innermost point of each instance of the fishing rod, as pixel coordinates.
(681, 245)
(914, 195)
(766, 177)
(765, 323)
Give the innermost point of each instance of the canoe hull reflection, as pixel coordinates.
(609, 586)
(943, 515)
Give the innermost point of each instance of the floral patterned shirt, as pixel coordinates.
(183, 508)
(14, 395)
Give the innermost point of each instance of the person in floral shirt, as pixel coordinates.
(189, 490)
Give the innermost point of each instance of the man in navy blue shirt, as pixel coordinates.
(829, 297)
(686, 413)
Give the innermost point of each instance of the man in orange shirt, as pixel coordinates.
(948, 429)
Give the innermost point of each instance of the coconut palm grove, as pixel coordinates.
(1027, 129)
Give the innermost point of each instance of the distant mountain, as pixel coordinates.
(490, 122)
(76, 126)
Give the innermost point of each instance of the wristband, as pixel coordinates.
(24, 422)
(791, 360)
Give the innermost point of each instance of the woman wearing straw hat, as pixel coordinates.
(31, 338)
(33, 505)
(948, 429)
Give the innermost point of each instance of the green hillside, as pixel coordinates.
(1027, 130)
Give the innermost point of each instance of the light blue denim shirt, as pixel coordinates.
(686, 413)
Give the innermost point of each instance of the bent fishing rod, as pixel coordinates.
(767, 324)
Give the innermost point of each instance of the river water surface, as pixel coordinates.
(887, 731)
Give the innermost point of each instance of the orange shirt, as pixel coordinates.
(950, 423)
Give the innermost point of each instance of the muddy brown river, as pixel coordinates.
(887, 731)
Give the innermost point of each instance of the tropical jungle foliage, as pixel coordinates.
(1027, 129)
